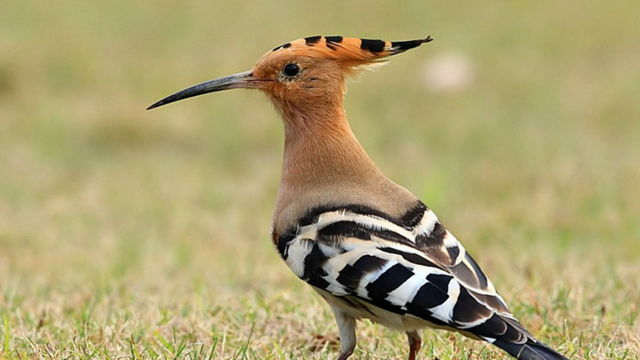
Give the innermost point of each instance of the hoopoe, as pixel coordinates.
(367, 245)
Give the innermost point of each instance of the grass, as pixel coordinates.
(144, 235)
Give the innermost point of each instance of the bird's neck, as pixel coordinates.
(322, 153)
(324, 164)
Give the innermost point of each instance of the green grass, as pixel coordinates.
(144, 235)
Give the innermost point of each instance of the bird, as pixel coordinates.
(369, 247)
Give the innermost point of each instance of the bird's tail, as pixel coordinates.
(531, 350)
(519, 343)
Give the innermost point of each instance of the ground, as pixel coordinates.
(145, 235)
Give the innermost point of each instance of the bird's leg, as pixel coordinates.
(415, 343)
(347, 329)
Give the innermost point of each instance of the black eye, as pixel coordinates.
(291, 69)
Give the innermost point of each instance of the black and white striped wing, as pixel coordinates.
(411, 267)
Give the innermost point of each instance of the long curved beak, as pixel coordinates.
(243, 80)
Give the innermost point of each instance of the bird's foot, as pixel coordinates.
(345, 355)
(415, 343)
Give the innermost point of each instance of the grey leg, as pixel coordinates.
(347, 329)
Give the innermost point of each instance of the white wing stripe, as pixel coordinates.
(426, 225)
(406, 292)
(298, 251)
(444, 311)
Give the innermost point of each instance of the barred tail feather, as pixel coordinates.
(531, 350)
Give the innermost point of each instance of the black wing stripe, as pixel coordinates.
(413, 217)
(369, 263)
(433, 293)
(318, 281)
(313, 262)
(338, 230)
(283, 245)
(343, 229)
(410, 257)
(350, 277)
(388, 281)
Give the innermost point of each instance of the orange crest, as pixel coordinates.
(352, 51)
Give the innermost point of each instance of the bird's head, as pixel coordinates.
(305, 72)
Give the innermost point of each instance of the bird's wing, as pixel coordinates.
(408, 266)
(431, 237)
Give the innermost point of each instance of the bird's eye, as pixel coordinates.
(291, 70)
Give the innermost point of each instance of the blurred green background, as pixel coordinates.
(519, 125)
